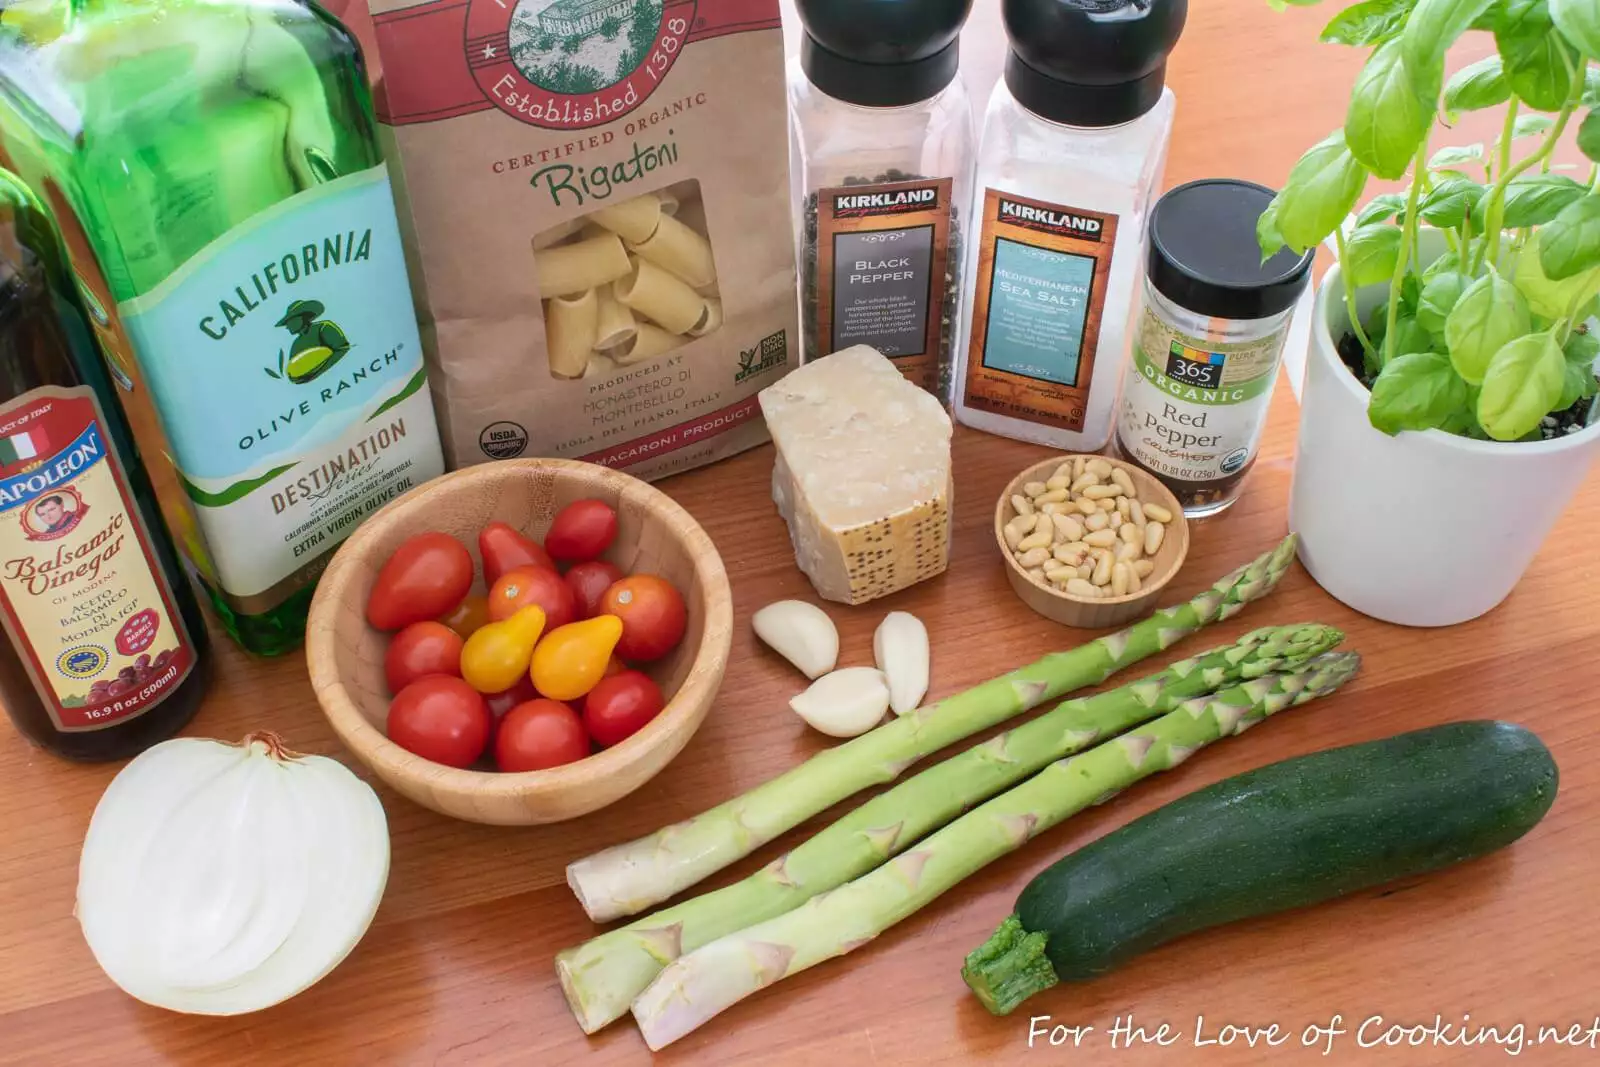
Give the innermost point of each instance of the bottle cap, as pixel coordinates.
(881, 53)
(1090, 62)
(1204, 255)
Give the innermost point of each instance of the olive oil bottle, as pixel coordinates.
(220, 160)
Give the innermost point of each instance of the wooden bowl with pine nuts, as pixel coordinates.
(1104, 539)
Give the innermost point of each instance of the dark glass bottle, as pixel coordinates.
(106, 650)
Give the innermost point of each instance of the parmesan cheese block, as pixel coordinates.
(862, 475)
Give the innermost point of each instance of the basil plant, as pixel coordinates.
(1490, 337)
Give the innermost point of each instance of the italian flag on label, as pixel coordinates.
(22, 446)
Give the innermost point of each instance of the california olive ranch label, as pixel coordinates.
(285, 363)
(81, 596)
(883, 253)
(1042, 275)
(1193, 410)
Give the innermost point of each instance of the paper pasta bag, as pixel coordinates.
(599, 231)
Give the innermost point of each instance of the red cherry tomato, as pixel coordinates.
(468, 615)
(538, 735)
(440, 719)
(421, 649)
(620, 706)
(501, 703)
(504, 548)
(614, 666)
(589, 582)
(581, 531)
(526, 586)
(652, 613)
(425, 578)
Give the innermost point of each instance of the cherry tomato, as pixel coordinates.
(538, 735)
(500, 703)
(525, 586)
(620, 706)
(569, 661)
(497, 655)
(470, 614)
(425, 578)
(504, 548)
(581, 531)
(440, 719)
(420, 649)
(589, 582)
(614, 666)
(652, 613)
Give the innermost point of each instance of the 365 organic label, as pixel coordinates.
(80, 593)
(1041, 285)
(285, 362)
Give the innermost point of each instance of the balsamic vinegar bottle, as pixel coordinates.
(105, 651)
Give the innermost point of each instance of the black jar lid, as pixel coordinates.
(881, 53)
(1091, 62)
(1204, 255)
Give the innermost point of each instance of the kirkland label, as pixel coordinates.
(883, 252)
(1042, 273)
(285, 362)
(81, 596)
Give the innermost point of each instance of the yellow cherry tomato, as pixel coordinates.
(496, 656)
(572, 659)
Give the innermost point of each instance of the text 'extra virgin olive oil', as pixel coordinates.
(105, 650)
(218, 161)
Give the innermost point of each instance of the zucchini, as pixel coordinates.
(1286, 835)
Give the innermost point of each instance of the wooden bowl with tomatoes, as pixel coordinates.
(521, 642)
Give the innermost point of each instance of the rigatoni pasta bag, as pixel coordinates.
(597, 192)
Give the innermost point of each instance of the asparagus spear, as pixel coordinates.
(603, 975)
(631, 877)
(697, 986)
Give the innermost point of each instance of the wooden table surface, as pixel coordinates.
(457, 967)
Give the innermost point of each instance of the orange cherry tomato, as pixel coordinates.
(518, 588)
(425, 577)
(568, 661)
(421, 649)
(470, 614)
(538, 735)
(589, 582)
(504, 548)
(581, 531)
(497, 655)
(652, 613)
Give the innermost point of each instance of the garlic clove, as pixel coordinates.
(846, 703)
(801, 633)
(900, 648)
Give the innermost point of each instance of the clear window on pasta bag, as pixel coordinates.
(627, 282)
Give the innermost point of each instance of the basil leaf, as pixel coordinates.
(1381, 207)
(1368, 23)
(1477, 86)
(1434, 25)
(1580, 353)
(1416, 391)
(1446, 262)
(1448, 204)
(1489, 314)
(1267, 235)
(1371, 253)
(1521, 386)
(1533, 54)
(1390, 111)
(1579, 23)
(1440, 295)
(1591, 87)
(1454, 156)
(1529, 125)
(1532, 201)
(1570, 243)
(1589, 136)
(1322, 189)
(1550, 297)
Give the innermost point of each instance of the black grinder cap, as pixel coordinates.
(881, 53)
(1091, 63)
(1204, 255)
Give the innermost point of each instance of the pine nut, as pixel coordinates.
(1119, 578)
(1054, 496)
(1034, 488)
(1052, 508)
(1088, 507)
(1120, 477)
(1070, 556)
(1078, 463)
(1058, 483)
(1058, 573)
(1086, 569)
(1021, 504)
(1033, 557)
(1097, 521)
(1157, 512)
(1065, 471)
(1079, 587)
(1037, 539)
(1129, 551)
(1013, 537)
(1101, 492)
(1107, 505)
(1134, 584)
(1129, 532)
(1099, 466)
(1143, 567)
(1154, 533)
(1136, 513)
(1102, 570)
(1037, 575)
(1084, 481)
(1124, 508)
(1068, 527)
(1100, 538)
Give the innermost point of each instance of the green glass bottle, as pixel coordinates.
(220, 159)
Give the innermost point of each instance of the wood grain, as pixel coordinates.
(457, 968)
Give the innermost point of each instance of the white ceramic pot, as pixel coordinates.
(1421, 529)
